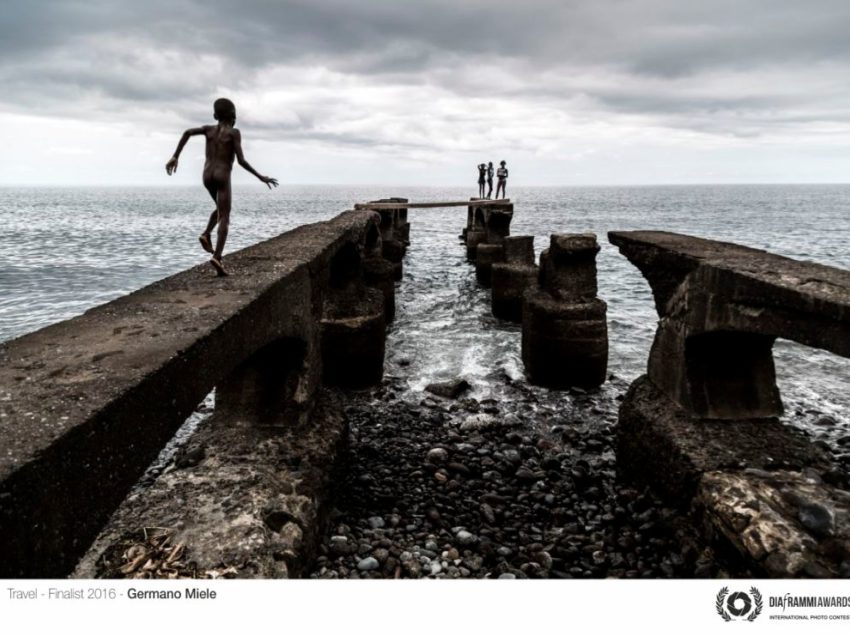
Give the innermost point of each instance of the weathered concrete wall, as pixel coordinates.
(702, 427)
(88, 403)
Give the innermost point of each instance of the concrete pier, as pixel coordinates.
(564, 328)
(87, 404)
(701, 426)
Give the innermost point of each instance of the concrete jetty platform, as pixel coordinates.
(702, 425)
(87, 404)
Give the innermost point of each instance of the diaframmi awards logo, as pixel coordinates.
(739, 606)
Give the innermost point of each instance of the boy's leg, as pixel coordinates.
(204, 238)
(224, 200)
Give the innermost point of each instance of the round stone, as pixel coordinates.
(438, 456)
(368, 564)
(466, 538)
(817, 518)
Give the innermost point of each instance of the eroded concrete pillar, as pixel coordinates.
(476, 231)
(496, 227)
(353, 325)
(564, 327)
(717, 375)
(271, 386)
(473, 239)
(380, 274)
(403, 226)
(498, 222)
(486, 255)
(353, 340)
(510, 279)
(393, 245)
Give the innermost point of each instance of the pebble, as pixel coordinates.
(478, 422)
(376, 522)
(466, 538)
(438, 455)
(368, 564)
(817, 518)
(488, 514)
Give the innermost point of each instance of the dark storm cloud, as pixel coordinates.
(643, 57)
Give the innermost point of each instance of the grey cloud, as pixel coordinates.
(52, 51)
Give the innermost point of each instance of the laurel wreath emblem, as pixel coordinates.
(721, 603)
(758, 604)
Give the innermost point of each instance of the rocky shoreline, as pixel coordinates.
(520, 488)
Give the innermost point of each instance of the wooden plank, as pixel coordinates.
(430, 204)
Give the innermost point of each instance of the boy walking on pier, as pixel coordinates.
(224, 142)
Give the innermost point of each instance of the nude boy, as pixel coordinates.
(224, 142)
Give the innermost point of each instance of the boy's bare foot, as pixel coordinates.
(218, 266)
(206, 243)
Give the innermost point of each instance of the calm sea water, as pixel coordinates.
(65, 250)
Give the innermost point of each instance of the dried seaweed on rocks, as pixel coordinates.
(151, 553)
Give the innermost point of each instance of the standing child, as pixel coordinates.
(502, 175)
(482, 169)
(224, 142)
(489, 179)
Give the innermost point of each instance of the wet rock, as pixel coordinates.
(451, 389)
(487, 513)
(526, 474)
(438, 455)
(817, 518)
(368, 564)
(478, 422)
(466, 538)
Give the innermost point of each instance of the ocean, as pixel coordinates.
(64, 250)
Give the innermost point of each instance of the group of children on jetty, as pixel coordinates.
(224, 144)
(485, 174)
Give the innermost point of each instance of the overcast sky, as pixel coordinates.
(397, 92)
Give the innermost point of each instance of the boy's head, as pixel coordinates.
(224, 110)
(502, 163)
(489, 164)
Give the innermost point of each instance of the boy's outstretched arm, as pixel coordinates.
(171, 166)
(240, 157)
